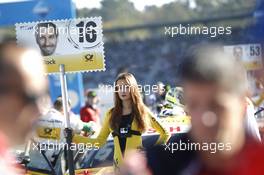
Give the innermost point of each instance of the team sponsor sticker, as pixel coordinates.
(76, 43)
(49, 133)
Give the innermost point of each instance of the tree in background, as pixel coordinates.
(122, 13)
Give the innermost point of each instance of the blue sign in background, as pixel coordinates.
(35, 10)
(74, 86)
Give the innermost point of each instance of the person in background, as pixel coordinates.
(46, 35)
(126, 121)
(55, 120)
(156, 100)
(90, 112)
(22, 84)
(174, 103)
(251, 122)
(160, 94)
(50, 133)
(215, 91)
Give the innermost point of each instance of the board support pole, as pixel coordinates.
(68, 130)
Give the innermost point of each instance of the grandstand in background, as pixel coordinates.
(156, 58)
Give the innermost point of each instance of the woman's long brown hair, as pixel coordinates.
(139, 110)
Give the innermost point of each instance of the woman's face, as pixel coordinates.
(123, 90)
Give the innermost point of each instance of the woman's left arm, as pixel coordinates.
(164, 134)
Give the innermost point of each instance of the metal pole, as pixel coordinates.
(66, 114)
(64, 94)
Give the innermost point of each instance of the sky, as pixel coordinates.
(139, 4)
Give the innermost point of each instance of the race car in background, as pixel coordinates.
(97, 162)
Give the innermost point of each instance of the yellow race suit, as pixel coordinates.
(132, 142)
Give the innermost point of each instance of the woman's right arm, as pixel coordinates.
(101, 138)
